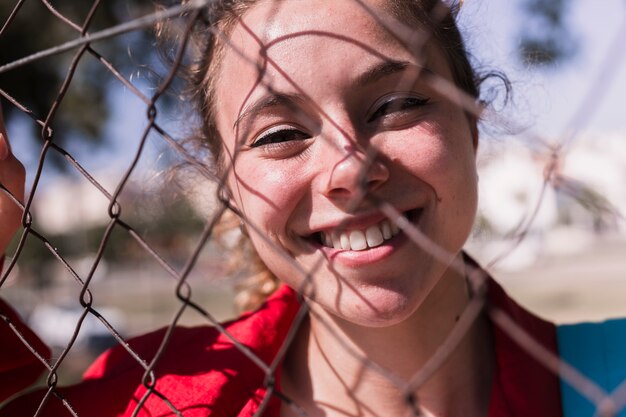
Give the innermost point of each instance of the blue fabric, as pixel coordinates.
(598, 351)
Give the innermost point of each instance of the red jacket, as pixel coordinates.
(202, 373)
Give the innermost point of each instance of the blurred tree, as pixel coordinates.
(36, 27)
(85, 109)
(546, 38)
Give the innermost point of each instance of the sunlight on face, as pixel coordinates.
(323, 114)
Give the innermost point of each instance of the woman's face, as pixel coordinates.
(307, 93)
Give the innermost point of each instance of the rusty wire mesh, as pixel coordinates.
(81, 47)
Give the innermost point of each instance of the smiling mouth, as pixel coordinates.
(362, 239)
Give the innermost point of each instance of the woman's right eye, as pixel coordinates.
(279, 135)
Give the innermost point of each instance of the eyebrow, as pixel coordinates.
(381, 70)
(385, 69)
(377, 72)
(273, 100)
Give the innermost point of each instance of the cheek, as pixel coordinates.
(442, 157)
(452, 175)
(267, 194)
(455, 180)
(435, 156)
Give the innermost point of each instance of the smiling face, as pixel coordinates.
(322, 116)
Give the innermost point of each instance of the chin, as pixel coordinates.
(374, 306)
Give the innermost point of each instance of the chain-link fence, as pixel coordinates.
(189, 258)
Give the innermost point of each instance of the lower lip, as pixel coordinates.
(356, 258)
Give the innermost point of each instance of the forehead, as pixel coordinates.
(273, 19)
(282, 28)
(295, 43)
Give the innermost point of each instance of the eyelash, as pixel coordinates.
(390, 106)
(282, 137)
(270, 138)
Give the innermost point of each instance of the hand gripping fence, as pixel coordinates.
(82, 45)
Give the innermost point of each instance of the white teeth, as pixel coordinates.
(345, 241)
(386, 229)
(336, 242)
(372, 237)
(394, 228)
(357, 240)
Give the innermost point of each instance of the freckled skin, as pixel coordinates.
(425, 155)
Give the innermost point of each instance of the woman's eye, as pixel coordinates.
(280, 135)
(397, 105)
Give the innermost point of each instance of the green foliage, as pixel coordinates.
(84, 110)
(546, 38)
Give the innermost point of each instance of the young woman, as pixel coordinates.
(333, 123)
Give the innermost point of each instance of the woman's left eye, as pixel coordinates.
(397, 105)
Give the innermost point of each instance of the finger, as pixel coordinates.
(11, 170)
(5, 146)
(12, 179)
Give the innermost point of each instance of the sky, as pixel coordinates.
(547, 100)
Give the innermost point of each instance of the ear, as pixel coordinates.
(472, 120)
(474, 131)
(225, 196)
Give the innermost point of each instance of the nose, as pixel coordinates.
(355, 173)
